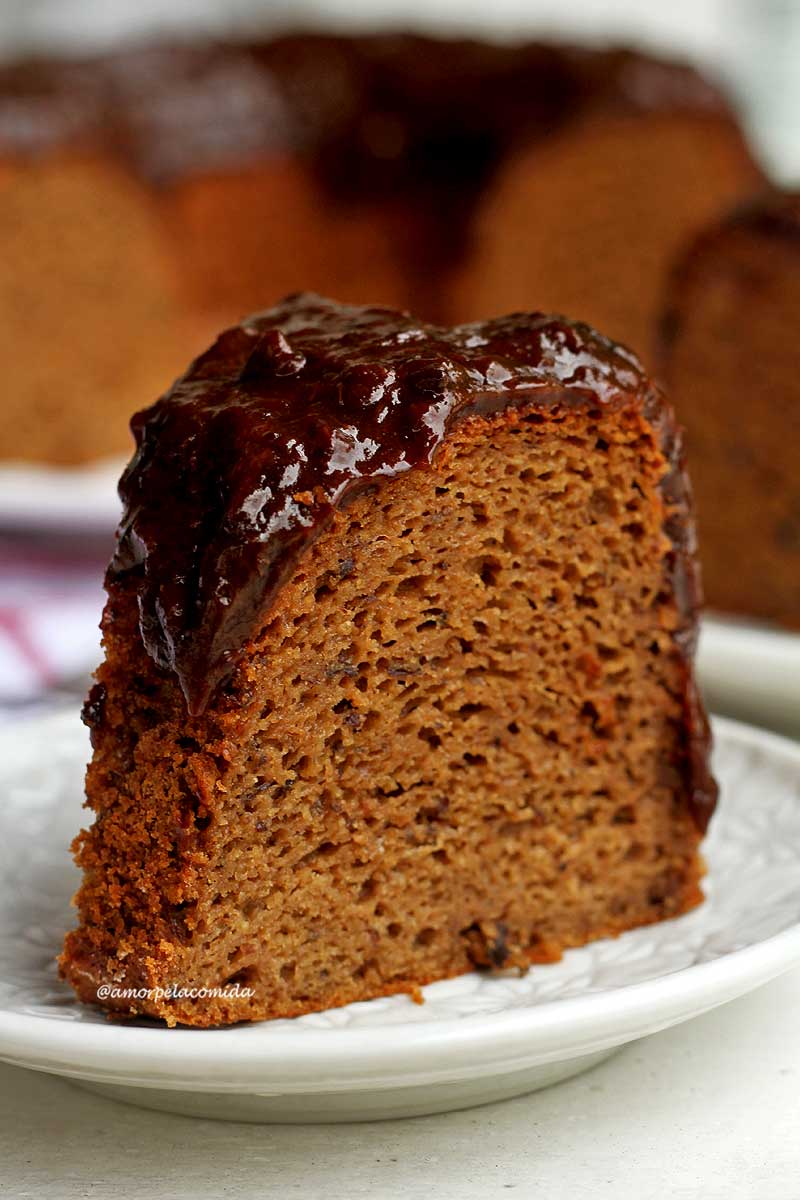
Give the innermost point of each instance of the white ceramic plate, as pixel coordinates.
(751, 672)
(60, 499)
(475, 1039)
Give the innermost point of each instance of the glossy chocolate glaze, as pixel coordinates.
(243, 463)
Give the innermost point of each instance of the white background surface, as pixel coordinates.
(709, 1110)
(691, 24)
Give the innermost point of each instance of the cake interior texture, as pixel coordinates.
(459, 740)
(731, 358)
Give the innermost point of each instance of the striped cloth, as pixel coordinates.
(51, 599)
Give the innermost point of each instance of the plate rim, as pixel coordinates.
(299, 1059)
(726, 632)
(73, 498)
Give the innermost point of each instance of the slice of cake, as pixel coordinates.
(398, 676)
(731, 356)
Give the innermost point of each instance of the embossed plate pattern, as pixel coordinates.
(470, 1033)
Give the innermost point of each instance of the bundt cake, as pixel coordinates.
(151, 197)
(398, 668)
(731, 355)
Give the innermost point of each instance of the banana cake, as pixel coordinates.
(398, 674)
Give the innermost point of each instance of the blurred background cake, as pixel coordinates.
(158, 194)
(730, 356)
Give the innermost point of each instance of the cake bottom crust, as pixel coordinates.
(490, 947)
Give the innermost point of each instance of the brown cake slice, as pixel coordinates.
(731, 355)
(398, 676)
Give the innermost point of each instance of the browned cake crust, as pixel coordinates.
(731, 357)
(152, 197)
(398, 674)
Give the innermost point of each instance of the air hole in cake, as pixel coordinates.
(513, 542)
(607, 653)
(471, 709)
(368, 889)
(334, 741)
(190, 744)
(245, 977)
(411, 583)
(474, 760)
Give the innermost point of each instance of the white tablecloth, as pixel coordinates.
(707, 1111)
